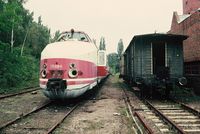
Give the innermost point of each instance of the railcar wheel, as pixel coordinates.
(168, 89)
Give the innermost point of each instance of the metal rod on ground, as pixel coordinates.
(130, 110)
(143, 122)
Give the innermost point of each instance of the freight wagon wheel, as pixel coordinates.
(143, 91)
(168, 89)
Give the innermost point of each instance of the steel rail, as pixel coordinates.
(150, 131)
(25, 115)
(195, 112)
(62, 119)
(130, 107)
(23, 92)
(167, 120)
(132, 115)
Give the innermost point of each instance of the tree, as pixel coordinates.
(10, 20)
(102, 45)
(56, 36)
(120, 47)
(40, 20)
(113, 62)
(20, 34)
(38, 38)
(13, 22)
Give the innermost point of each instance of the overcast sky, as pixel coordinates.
(113, 19)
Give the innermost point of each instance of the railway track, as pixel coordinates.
(179, 117)
(163, 117)
(23, 116)
(43, 119)
(136, 116)
(31, 89)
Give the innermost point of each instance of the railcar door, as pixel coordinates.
(158, 59)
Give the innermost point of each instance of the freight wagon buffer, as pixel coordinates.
(154, 61)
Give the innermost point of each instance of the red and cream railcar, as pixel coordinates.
(69, 67)
(102, 70)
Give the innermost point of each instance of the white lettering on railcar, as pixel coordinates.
(53, 66)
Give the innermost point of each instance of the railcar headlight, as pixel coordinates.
(44, 73)
(182, 81)
(73, 73)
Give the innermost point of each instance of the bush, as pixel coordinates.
(17, 71)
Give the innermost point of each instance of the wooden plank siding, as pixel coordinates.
(143, 59)
(175, 59)
(138, 57)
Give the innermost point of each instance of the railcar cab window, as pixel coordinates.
(72, 35)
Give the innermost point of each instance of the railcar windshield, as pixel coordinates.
(79, 36)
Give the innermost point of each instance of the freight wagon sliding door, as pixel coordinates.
(158, 57)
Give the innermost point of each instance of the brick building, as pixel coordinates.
(189, 24)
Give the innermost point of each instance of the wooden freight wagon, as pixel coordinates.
(154, 60)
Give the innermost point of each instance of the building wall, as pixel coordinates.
(191, 47)
(190, 27)
(190, 6)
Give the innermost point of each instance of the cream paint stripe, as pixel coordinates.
(70, 86)
(77, 86)
(89, 53)
(82, 79)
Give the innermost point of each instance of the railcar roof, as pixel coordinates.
(161, 36)
(158, 37)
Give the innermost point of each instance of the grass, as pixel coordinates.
(19, 88)
(127, 120)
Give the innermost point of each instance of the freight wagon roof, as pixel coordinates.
(161, 36)
(158, 37)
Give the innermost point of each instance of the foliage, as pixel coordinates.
(13, 16)
(120, 48)
(38, 38)
(17, 71)
(113, 62)
(29, 38)
(56, 36)
(102, 45)
(114, 58)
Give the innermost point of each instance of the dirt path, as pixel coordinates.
(105, 115)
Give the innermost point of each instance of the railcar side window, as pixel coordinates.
(101, 58)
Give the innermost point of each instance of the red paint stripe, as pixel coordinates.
(87, 69)
(102, 70)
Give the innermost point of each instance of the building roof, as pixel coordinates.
(182, 17)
